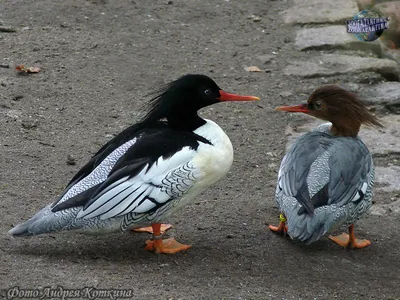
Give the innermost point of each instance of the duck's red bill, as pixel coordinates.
(224, 96)
(295, 108)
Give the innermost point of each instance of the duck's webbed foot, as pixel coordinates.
(349, 240)
(158, 245)
(282, 228)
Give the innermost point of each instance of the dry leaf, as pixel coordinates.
(22, 69)
(33, 70)
(252, 69)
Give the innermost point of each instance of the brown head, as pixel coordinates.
(338, 106)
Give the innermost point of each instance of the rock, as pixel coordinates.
(389, 177)
(386, 94)
(352, 87)
(378, 210)
(252, 69)
(320, 11)
(390, 53)
(285, 94)
(390, 38)
(383, 140)
(334, 64)
(385, 209)
(390, 10)
(365, 4)
(71, 160)
(335, 36)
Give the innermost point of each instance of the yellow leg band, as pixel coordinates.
(282, 218)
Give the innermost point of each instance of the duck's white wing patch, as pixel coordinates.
(152, 187)
(100, 173)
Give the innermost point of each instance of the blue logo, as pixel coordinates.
(367, 25)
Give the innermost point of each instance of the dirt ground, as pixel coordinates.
(99, 59)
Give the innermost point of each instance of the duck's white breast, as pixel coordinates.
(213, 160)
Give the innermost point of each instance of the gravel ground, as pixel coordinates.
(99, 59)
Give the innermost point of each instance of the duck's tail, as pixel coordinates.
(310, 228)
(45, 221)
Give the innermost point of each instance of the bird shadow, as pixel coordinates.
(73, 247)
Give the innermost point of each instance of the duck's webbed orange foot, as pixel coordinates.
(282, 228)
(168, 246)
(149, 229)
(344, 240)
(158, 245)
(349, 240)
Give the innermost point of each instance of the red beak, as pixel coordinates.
(295, 108)
(224, 96)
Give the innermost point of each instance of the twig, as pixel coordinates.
(5, 66)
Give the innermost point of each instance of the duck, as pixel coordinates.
(147, 172)
(326, 178)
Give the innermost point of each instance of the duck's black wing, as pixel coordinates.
(139, 175)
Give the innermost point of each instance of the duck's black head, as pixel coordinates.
(180, 100)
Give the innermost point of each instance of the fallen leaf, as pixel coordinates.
(252, 69)
(22, 69)
(33, 70)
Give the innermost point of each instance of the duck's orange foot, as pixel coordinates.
(168, 246)
(149, 229)
(281, 229)
(344, 240)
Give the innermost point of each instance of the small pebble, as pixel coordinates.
(71, 160)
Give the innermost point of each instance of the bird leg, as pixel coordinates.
(349, 240)
(158, 245)
(282, 228)
(149, 229)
